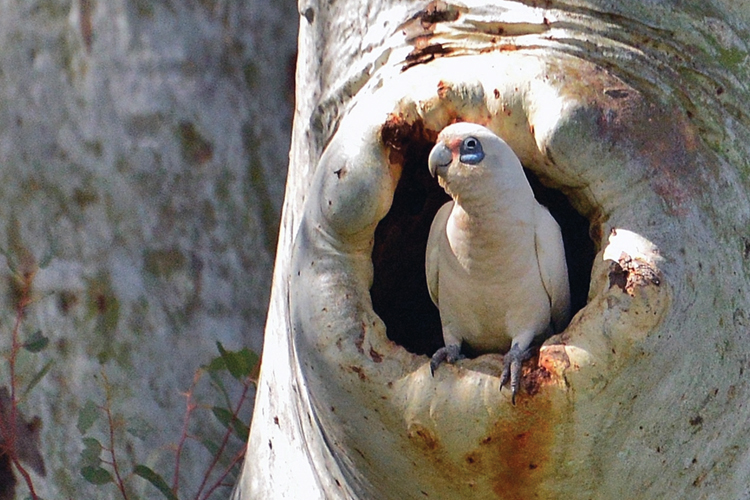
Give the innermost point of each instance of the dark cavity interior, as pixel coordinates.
(399, 290)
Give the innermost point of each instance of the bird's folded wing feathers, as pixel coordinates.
(552, 267)
(437, 233)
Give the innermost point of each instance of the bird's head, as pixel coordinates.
(471, 153)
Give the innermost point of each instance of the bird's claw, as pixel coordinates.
(449, 354)
(512, 362)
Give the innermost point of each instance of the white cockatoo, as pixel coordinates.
(495, 260)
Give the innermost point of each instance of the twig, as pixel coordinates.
(9, 431)
(108, 410)
(190, 406)
(225, 440)
(235, 460)
(15, 347)
(26, 476)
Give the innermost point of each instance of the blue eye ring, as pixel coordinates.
(471, 151)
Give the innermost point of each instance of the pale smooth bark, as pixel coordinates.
(637, 112)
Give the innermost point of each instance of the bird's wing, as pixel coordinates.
(552, 267)
(437, 234)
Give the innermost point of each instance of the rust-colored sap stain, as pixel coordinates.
(360, 340)
(510, 460)
(555, 361)
(535, 376)
(517, 450)
(359, 371)
(375, 356)
(423, 438)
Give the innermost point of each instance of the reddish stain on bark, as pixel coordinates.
(423, 438)
(85, 8)
(101, 303)
(358, 370)
(397, 133)
(510, 459)
(442, 89)
(423, 22)
(376, 356)
(628, 273)
(518, 449)
(425, 54)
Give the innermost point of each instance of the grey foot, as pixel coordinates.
(512, 369)
(449, 354)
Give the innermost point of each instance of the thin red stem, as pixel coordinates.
(190, 406)
(9, 430)
(15, 347)
(224, 441)
(237, 457)
(111, 422)
(26, 477)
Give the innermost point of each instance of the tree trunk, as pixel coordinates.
(143, 151)
(631, 120)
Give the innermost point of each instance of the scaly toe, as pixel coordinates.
(512, 363)
(449, 354)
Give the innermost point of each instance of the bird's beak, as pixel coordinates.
(440, 158)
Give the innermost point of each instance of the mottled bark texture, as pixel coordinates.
(143, 146)
(632, 119)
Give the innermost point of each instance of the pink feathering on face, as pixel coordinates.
(453, 144)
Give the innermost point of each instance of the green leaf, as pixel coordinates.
(139, 427)
(239, 363)
(90, 442)
(46, 258)
(37, 342)
(242, 430)
(38, 377)
(87, 416)
(156, 480)
(224, 415)
(219, 384)
(211, 446)
(96, 475)
(216, 365)
(234, 364)
(229, 420)
(91, 452)
(249, 359)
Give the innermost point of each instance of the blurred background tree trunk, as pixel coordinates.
(143, 154)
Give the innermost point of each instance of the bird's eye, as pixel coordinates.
(471, 151)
